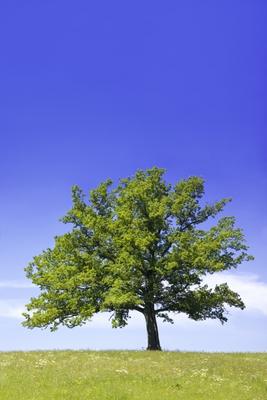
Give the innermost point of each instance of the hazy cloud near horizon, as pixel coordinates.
(252, 290)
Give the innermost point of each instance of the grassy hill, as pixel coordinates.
(121, 375)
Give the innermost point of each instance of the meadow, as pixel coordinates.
(123, 375)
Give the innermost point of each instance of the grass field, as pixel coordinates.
(121, 375)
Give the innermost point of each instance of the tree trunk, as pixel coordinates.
(152, 330)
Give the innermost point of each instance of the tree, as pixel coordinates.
(139, 246)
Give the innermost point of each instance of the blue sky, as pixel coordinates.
(91, 90)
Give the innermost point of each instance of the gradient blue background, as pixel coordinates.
(90, 90)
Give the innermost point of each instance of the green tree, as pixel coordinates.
(138, 246)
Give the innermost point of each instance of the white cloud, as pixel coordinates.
(16, 285)
(11, 308)
(252, 291)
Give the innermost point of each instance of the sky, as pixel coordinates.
(91, 90)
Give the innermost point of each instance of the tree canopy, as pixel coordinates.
(138, 246)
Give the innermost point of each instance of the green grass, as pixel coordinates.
(121, 375)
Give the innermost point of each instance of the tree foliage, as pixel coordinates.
(138, 246)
